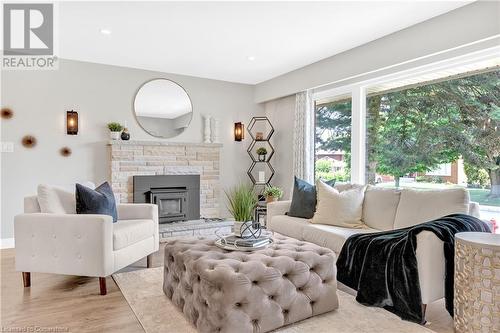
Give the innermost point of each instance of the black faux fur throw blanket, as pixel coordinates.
(382, 266)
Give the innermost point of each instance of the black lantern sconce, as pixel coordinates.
(72, 122)
(239, 131)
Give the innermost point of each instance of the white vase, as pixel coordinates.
(115, 135)
(207, 132)
(237, 228)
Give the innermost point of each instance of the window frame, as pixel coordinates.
(358, 92)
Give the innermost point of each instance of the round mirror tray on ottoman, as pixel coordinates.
(259, 241)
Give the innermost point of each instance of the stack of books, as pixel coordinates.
(245, 242)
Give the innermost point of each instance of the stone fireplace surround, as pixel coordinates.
(133, 158)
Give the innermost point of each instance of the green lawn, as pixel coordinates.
(476, 194)
(481, 196)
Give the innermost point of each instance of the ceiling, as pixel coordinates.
(215, 39)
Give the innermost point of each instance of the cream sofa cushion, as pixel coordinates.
(331, 236)
(289, 225)
(380, 206)
(129, 232)
(58, 199)
(343, 209)
(418, 206)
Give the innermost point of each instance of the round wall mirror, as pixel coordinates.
(163, 108)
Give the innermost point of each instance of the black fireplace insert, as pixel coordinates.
(177, 196)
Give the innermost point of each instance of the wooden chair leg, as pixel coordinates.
(149, 260)
(26, 279)
(424, 308)
(102, 285)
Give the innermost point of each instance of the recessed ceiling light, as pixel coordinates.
(251, 58)
(105, 31)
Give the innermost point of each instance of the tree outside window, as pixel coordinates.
(433, 135)
(413, 132)
(333, 141)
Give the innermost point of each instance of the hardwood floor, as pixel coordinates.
(74, 303)
(71, 303)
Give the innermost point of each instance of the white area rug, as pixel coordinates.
(143, 291)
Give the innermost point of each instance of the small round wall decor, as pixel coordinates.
(65, 151)
(7, 113)
(29, 141)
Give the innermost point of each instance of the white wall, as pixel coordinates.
(281, 114)
(455, 33)
(100, 94)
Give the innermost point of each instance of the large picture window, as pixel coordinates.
(437, 135)
(333, 140)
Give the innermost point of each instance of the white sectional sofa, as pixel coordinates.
(387, 209)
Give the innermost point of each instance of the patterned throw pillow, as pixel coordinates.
(98, 201)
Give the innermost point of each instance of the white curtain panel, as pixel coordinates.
(303, 137)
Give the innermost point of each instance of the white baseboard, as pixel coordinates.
(6, 243)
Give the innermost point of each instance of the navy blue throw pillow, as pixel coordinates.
(303, 199)
(98, 201)
(330, 182)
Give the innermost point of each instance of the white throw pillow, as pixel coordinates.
(418, 206)
(58, 199)
(342, 209)
(341, 187)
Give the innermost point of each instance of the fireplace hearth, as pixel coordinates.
(177, 196)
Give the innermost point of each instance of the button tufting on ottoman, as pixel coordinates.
(223, 291)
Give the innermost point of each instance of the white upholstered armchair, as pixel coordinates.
(84, 245)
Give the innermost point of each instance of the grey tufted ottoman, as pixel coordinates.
(223, 291)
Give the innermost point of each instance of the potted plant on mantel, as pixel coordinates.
(261, 153)
(241, 204)
(272, 193)
(115, 130)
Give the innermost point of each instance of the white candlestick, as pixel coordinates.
(262, 177)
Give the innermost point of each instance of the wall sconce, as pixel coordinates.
(72, 122)
(239, 131)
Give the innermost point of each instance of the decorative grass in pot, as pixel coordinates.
(241, 204)
(272, 193)
(115, 129)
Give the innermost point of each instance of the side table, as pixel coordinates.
(477, 282)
